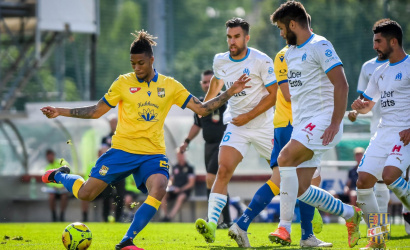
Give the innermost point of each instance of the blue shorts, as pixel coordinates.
(281, 136)
(115, 165)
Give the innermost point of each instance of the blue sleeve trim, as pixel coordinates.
(360, 92)
(106, 102)
(368, 97)
(283, 81)
(334, 65)
(271, 83)
(217, 77)
(186, 102)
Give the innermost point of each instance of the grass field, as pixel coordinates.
(162, 236)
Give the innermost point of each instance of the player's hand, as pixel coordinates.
(50, 112)
(239, 85)
(241, 120)
(359, 104)
(177, 190)
(352, 115)
(183, 147)
(405, 136)
(329, 134)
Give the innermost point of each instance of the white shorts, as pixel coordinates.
(242, 137)
(385, 149)
(308, 132)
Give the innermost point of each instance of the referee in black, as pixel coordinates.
(213, 131)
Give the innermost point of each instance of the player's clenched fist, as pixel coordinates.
(405, 136)
(359, 104)
(50, 112)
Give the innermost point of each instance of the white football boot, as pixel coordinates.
(240, 236)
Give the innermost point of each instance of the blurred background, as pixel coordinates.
(67, 53)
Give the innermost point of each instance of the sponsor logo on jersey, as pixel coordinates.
(307, 136)
(103, 170)
(148, 115)
(396, 148)
(294, 75)
(400, 160)
(328, 53)
(386, 102)
(147, 103)
(149, 93)
(161, 92)
(381, 76)
(399, 76)
(270, 70)
(304, 57)
(309, 128)
(163, 164)
(281, 58)
(247, 71)
(134, 90)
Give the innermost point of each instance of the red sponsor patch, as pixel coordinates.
(134, 90)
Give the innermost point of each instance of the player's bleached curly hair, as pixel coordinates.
(142, 43)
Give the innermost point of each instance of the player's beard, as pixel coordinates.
(290, 37)
(238, 51)
(384, 55)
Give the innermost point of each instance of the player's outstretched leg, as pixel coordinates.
(239, 235)
(207, 230)
(326, 202)
(62, 175)
(401, 188)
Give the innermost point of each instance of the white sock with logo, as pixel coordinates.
(382, 194)
(366, 200)
(289, 186)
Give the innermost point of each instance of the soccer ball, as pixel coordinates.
(77, 236)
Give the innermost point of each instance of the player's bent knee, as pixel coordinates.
(388, 179)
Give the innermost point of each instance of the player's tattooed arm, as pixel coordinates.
(205, 108)
(90, 112)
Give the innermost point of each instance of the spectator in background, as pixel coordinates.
(56, 191)
(131, 195)
(350, 187)
(116, 191)
(181, 182)
(213, 130)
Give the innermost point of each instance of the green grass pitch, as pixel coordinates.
(162, 236)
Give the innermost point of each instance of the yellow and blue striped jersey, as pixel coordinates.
(283, 109)
(142, 109)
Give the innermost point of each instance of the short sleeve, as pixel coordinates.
(216, 68)
(113, 96)
(197, 121)
(326, 56)
(363, 81)
(191, 170)
(281, 68)
(181, 94)
(372, 91)
(266, 71)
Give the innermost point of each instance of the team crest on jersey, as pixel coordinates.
(304, 57)
(247, 71)
(134, 90)
(148, 115)
(328, 53)
(161, 92)
(399, 76)
(103, 171)
(149, 93)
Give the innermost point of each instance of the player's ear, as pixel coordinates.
(292, 25)
(247, 37)
(151, 60)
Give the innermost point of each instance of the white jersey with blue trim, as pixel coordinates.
(366, 72)
(310, 89)
(391, 84)
(259, 67)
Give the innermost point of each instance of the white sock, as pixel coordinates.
(216, 203)
(382, 194)
(289, 186)
(366, 200)
(324, 201)
(402, 190)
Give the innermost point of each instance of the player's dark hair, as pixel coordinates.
(207, 72)
(143, 43)
(289, 11)
(388, 29)
(238, 22)
(50, 151)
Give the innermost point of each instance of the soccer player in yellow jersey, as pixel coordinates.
(144, 98)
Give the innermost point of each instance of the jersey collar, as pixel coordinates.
(393, 64)
(378, 61)
(240, 60)
(153, 79)
(308, 40)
